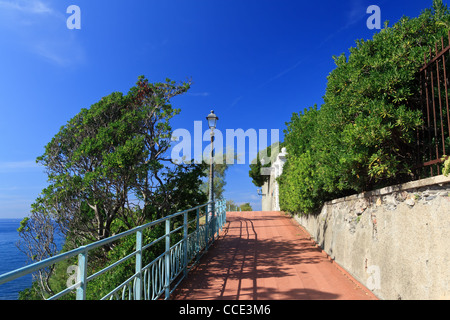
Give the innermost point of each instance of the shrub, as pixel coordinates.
(363, 135)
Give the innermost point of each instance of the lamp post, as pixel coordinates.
(212, 122)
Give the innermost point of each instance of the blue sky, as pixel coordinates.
(254, 62)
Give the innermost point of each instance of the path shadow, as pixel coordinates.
(241, 260)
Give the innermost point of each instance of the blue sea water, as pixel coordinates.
(11, 258)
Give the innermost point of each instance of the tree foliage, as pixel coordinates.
(108, 172)
(362, 137)
(220, 168)
(266, 156)
(232, 206)
(246, 207)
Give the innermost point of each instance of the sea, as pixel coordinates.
(11, 258)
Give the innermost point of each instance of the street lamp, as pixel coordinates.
(212, 120)
(212, 123)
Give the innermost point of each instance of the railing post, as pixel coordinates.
(206, 229)
(224, 217)
(213, 220)
(185, 237)
(197, 248)
(167, 260)
(82, 275)
(224, 214)
(138, 283)
(220, 215)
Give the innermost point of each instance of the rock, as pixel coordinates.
(390, 199)
(379, 202)
(361, 206)
(402, 196)
(391, 207)
(410, 202)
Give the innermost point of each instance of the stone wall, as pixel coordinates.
(394, 240)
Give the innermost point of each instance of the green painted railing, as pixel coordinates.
(160, 276)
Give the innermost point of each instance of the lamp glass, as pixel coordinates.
(212, 120)
(212, 123)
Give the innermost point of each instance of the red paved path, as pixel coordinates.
(267, 256)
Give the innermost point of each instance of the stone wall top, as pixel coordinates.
(400, 187)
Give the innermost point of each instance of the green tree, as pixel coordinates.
(267, 156)
(108, 172)
(232, 206)
(246, 207)
(221, 166)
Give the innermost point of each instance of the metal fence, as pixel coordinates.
(159, 277)
(433, 141)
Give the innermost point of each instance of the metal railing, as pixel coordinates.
(162, 275)
(433, 141)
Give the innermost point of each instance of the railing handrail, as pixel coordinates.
(12, 275)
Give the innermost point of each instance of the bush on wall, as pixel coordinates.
(362, 137)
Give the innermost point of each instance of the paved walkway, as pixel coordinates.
(267, 256)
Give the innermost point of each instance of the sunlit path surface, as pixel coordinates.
(267, 256)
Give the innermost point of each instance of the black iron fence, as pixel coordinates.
(433, 139)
